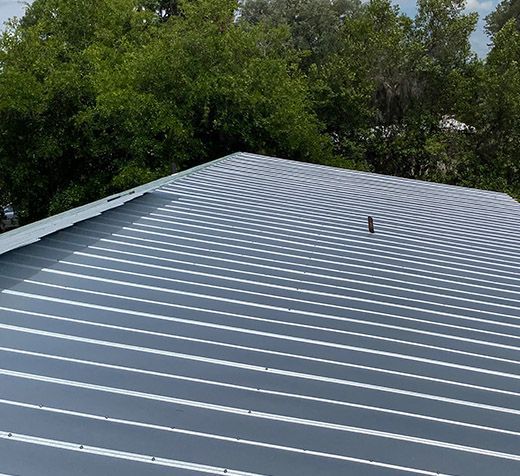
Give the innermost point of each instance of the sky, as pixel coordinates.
(479, 40)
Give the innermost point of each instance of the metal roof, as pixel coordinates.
(240, 319)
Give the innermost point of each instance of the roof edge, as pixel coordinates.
(34, 232)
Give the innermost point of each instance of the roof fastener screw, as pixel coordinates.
(153, 458)
(80, 447)
(9, 435)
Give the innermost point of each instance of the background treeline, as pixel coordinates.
(97, 96)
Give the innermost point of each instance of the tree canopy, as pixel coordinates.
(97, 96)
(506, 10)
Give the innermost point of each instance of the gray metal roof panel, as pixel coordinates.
(240, 319)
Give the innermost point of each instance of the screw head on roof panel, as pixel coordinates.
(370, 224)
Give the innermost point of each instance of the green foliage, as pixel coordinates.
(498, 116)
(506, 10)
(383, 97)
(89, 87)
(314, 25)
(102, 95)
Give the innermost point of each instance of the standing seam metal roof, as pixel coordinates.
(239, 319)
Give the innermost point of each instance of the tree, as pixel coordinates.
(383, 96)
(506, 10)
(314, 24)
(110, 100)
(236, 86)
(101, 95)
(347, 84)
(45, 82)
(420, 69)
(498, 116)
